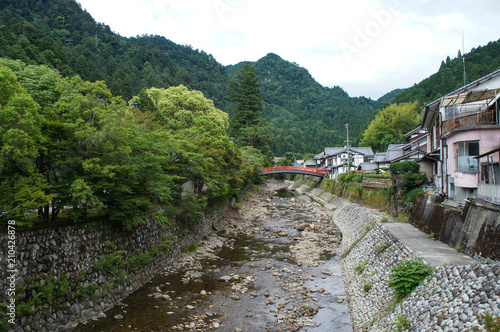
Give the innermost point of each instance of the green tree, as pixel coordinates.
(247, 125)
(390, 125)
(409, 174)
(208, 156)
(22, 184)
(287, 160)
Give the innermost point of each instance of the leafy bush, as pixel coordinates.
(411, 196)
(403, 167)
(351, 177)
(409, 173)
(406, 276)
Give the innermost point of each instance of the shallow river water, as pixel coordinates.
(270, 278)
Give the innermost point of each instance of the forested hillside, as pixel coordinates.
(479, 62)
(305, 116)
(58, 33)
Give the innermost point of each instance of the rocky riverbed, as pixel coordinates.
(274, 269)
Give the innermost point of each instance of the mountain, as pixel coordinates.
(58, 33)
(389, 97)
(306, 116)
(479, 62)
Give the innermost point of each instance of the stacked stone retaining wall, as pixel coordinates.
(69, 255)
(454, 298)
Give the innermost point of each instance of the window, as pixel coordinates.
(465, 153)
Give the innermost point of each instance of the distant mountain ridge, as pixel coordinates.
(305, 115)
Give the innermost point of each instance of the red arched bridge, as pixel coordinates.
(294, 170)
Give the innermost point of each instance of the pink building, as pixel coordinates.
(464, 133)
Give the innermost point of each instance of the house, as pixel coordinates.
(462, 126)
(489, 180)
(416, 150)
(310, 164)
(337, 159)
(384, 159)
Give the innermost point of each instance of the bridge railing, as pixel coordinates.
(294, 168)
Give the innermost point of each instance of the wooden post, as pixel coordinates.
(395, 195)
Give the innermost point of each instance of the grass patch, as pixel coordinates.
(489, 321)
(222, 232)
(381, 248)
(401, 323)
(361, 267)
(192, 247)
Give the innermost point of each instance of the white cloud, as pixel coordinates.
(393, 43)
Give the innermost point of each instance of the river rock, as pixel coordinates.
(302, 227)
(327, 272)
(118, 317)
(225, 278)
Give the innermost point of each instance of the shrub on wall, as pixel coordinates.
(406, 276)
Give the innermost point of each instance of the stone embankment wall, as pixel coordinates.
(62, 266)
(454, 298)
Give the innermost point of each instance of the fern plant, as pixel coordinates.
(406, 276)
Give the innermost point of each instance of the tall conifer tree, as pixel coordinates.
(247, 125)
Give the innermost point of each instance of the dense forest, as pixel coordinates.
(58, 33)
(305, 116)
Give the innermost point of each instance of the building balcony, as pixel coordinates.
(471, 120)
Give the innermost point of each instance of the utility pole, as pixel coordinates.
(348, 164)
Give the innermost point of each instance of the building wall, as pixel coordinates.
(489, 139)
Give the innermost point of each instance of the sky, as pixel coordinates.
(367, 47)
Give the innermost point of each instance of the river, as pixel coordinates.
(276, 269)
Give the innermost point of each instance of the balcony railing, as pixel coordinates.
(468, 120)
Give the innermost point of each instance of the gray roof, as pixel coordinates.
(319, 156)
(368, 166)
(380, 157)
(309, 163)
(394, 151)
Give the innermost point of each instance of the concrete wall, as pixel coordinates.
(489, 192)
(475, 229)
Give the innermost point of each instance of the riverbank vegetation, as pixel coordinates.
(376, 190)
(70, 150)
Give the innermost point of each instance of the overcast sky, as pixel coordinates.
(367, 47)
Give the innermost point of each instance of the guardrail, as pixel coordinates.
(468, 120)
